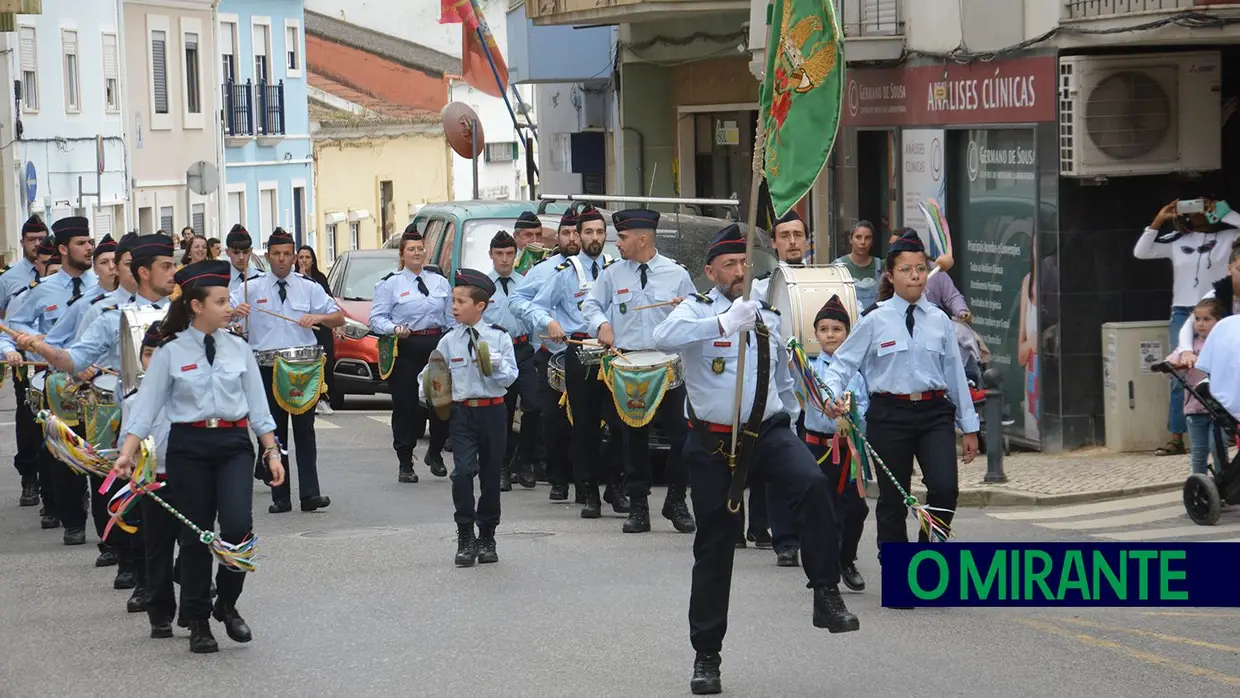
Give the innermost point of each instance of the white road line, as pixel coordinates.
(1186, 531)
(382, 418)
(8, 424)
(1065, 512)
(320, 423)
(1140, 517)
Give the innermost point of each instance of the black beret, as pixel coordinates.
(726, 241)
(72, 227)
(212, 272)
(280, 236)
(635, 219)
(151, 246)
(834, 310)
(34, 224)
(527, 220)
(503, 240)
(473, 277)
(105, 245)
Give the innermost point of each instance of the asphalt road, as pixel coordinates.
(362, 600)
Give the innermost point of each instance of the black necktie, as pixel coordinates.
(77, 289)
(473, 335)
(35, 271)
(241, 276)
(594, 269)
(208, 343)
(283, 289)
(422, 287)
(909, 321)
(642, 268)
(503, 281)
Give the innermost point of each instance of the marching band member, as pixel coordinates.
(557, 310)
(208, 384)
(105, 263)
(81, 315)
(239, 247)
(644, 277)
(708, 331)
(831, 326)
(530, 451)
(906, 349)
(415, 306)
(98, 347)
(526, 229)
(291, 304)
(478, 414)
(23, 274)
(521, 302)
(44, 305)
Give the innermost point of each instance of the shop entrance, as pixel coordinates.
(878, 183)
(723, 158)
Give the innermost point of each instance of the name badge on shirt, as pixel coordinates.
(404, 294)
(579, 294)
(261, 300)
(723, 343)
(189, 367)
(50, 308)
(887, 345)
(458, 359)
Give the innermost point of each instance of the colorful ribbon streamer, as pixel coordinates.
(82, 458)
(811, 391)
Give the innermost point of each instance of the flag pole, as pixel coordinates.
(486, 49)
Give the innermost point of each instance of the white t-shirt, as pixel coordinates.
(1220, 359)
(1195, 265)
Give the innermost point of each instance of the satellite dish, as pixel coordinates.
(202, 178)
(463, 130)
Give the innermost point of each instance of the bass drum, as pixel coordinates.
(798, 293)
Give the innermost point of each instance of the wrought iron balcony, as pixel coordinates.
(1088, 9)
(870, 18)
(549, 12)
(238, 109)
(270, 109)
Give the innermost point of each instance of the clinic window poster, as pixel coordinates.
(996, 220)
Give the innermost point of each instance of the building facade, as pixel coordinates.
(62, 122)
(268, 180)
(172, 116)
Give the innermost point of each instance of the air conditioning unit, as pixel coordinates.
(1140, 114)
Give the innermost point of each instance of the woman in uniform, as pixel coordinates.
(206, 381)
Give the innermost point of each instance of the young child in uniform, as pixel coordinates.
(1205, 316)
(479, 421)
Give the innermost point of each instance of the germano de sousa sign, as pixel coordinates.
(1020, 90)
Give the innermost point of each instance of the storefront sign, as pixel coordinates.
(923, 176)
(1021, 90)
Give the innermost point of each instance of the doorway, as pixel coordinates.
(299, 214)
(387, 211)
(878, 184)
(723, 158)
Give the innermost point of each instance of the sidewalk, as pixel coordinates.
(1087, 475)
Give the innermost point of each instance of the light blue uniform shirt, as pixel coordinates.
(692, 330)
(521, 300)
(15, 279)
(100, 344)
(159, 431)
(894, 363)
(188, 389)
(399, 302)
(499, 310)
(467, 380)
(81, 314)
(817, 421)
(302, 297)
(45, 304)
(619, 290)
(563, 295)
(237, 281)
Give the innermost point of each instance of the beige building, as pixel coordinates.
(171, 113)
(375, 165)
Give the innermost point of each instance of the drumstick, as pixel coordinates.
(581, 342)
(654, 305)
(285, 317)
(10, 332)
(245, 283)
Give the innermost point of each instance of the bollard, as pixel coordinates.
(994, 426)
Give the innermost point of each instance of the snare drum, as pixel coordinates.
(798, 293)
(101, 411)
(555, 371)
(649, 359)
(36, 390)
(267, 357)
(590, 352)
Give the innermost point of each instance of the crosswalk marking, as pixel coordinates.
(1135, 518)
(320, 423)
(382, 418)
(1066, 512)
(1186, 531)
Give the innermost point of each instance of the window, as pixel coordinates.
(159, 69)
(73, 84)
(199, 222)
(193, 90)
(166, 218)
(146, 220)
(111, 74)
(236, 209)
(501, 152)
(262, 44)
(331, 240)
(449, 245)
(268, 205)
(292, 48)
(228, 40)
(30, 70)
(355, 234)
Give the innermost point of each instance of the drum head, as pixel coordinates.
(38, 381)
(798, 293)
(106, 382)
(437, 385)
(645, 357)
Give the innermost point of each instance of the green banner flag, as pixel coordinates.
(801, 97)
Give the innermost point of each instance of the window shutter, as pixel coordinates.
(166, 220)
(110, 71)
(199, 223)
(191, 42)
(29, 62)
(69, 39)
(159, 67)
(103, 223)
(267, 212)
(260, 40)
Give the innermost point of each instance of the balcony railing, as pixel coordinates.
(553, 12)
(271, 109)
(861, 18)
(238, 109)
(1084, 9)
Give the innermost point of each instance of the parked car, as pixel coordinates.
(352, 280)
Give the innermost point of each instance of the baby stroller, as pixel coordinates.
(1205, 496)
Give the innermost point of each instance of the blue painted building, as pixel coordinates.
(269, 179)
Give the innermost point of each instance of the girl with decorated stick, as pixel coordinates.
(207, 382)
(906, 349)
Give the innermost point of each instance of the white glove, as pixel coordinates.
(740, 317)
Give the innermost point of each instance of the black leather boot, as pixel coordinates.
(788, 558)
(593, 508)
(125, 579)
(639, 517)
(107, 557)
(234, 624)
(30, 496)
(435, 461)
(161, 627)
(761, 539)
(406, 473)
(48, 521)
(466, 545)
(201, 641)
(486, 546)
(75, 536)
(706, 679)
(615, 496)
(137, 601)
(526, 477)
(851, 576)
(676, 511)
(831, 613)
(505, 480)
(580, 495)
(559, 493)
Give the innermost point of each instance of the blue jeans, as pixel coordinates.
(1201, 433)
(1175, 413)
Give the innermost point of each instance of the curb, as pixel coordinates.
(998, 496)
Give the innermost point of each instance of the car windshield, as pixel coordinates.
(475, 254)
(362, 273)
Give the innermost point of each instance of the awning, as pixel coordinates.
(333, 217)
(358, 214)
